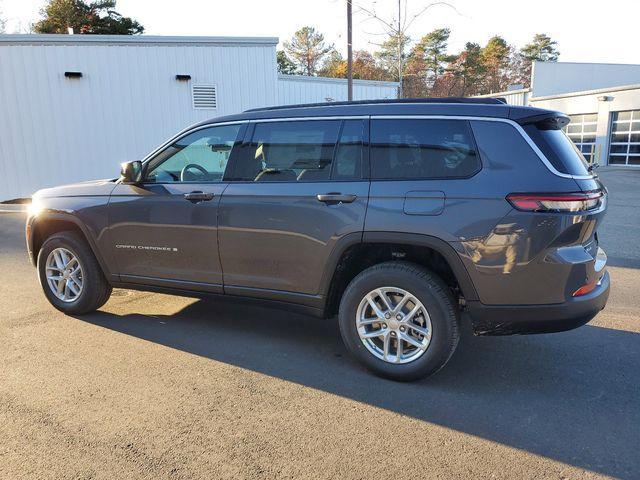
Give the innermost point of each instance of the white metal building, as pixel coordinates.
(554, 78)
(605, 123)
(75, 106)
(603, 101)
(291, 88)
(515, 96)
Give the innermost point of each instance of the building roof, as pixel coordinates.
(503, 93)
(79, 39)
(356, 81)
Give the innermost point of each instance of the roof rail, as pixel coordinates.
(465, 100)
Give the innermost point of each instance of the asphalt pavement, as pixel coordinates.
(157, 386)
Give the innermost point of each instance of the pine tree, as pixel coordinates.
(427, 62)
(285, 65)
(495, 57)
(307, 49)
(542, 49)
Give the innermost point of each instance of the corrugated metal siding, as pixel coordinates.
(512, 97)
(293, 89)
(58, 130)
(518, 98)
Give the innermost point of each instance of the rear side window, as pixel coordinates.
(289, 152)
(349, 152)
(411, 149)
(559, 149)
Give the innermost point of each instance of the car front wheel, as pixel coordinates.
(70, 275)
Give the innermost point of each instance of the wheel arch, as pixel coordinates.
(42, 226)
(335, 278)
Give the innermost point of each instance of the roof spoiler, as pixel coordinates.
(546, 121)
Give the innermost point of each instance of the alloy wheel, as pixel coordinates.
(393, 325)
(64, 274)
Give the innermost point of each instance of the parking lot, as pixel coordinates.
(155, 386)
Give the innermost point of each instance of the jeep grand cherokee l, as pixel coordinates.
(404, 218)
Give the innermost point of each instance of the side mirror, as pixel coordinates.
(131, 172)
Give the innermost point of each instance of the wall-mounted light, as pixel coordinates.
(183, 78)
(605, 98)
(73, 74)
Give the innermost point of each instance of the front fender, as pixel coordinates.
(43, 222)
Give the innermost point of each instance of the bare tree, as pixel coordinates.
(397, 29)
(3, 23)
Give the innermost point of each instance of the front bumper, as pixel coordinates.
(527, 319)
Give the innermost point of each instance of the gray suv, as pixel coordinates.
(404, 218)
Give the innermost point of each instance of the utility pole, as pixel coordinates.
(399, 39)
(349, 53)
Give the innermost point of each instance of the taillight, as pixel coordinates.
(561, 202)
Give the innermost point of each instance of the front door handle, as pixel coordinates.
(198, 196)
(335, 198)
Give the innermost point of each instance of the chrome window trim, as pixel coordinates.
(183, 133)
(513, 123)
(306, 119)
(508, 121)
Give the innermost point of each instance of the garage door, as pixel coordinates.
(582, 131)
(624, 147)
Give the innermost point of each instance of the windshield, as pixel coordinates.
(559, 150)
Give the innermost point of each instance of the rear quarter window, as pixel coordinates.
(559, 150)
(422, 148)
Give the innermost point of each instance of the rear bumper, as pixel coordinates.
(527, 319)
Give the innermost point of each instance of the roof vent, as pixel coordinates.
(205, 97)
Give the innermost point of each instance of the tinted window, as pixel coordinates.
(348, 159)
(558, 149)
(289, 152)
(422, 149)
(201, 156)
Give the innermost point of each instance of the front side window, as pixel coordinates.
(289, 151)
(201, 156)
(421, 148)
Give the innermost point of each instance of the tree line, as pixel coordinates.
(97, 17)
(426, 67)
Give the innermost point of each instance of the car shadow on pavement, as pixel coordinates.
(572, 397)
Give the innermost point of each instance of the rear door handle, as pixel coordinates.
(334, 198)
(198, 196)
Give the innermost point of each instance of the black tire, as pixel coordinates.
(95, 291)
(429, 289)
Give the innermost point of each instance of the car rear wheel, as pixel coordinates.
(70, 275)
(399, 320)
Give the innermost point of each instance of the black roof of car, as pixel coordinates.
(468, 107)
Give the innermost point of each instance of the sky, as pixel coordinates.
(586, 30)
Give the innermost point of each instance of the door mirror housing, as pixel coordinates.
(131, 172)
